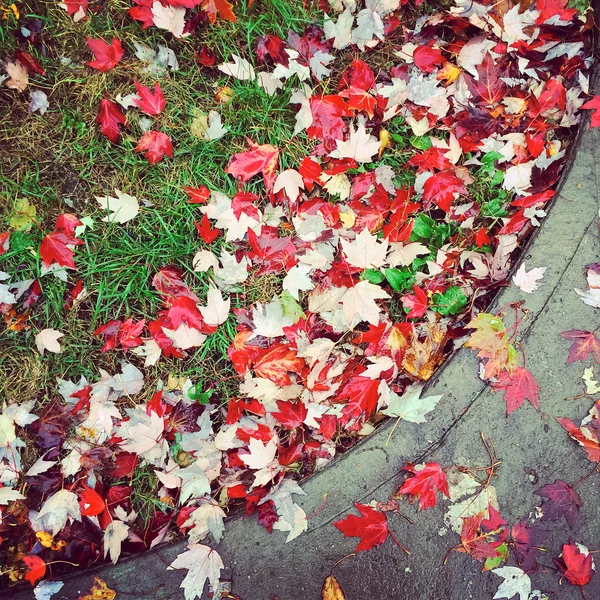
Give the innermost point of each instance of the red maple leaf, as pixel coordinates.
(357, 75)
(67, 223)
(424, 484)
(587, 435)
(427, 58)
(183, 308)
(417, 303)
(441, 188)
(518, 386)
(206, 233)
(488, 88)
(327, 113)
(576, 564)
(561, 500)
(362, 394)
(222, 7)
(197, 195)
(551, 8)
(155, 144)
(276, 363)
(106, 56)
(594, 104)
(432, 158)
(36, 568)
(261, 159)
(91, 503)
(476, 540)
(291, 414)
(109, 331)
(150, 103)
(371, 527)
(169, 281)
(584, 342)
(109, 117)
(55, 248)
(142, 13)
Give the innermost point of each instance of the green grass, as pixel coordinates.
(59, 162)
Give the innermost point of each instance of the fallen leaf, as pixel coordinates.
(371, 527)
(332, 590)
(47, 339)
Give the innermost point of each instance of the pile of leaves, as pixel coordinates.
(420, 182)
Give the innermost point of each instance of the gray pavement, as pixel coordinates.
(534, 450)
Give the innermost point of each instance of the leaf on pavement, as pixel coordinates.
(202, 563)
(371, 527)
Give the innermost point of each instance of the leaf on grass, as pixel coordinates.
(150, 103)
(107, 56)
(109, 117)
(155, 144)
(123, 207)
(47, 339)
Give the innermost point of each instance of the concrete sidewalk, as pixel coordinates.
(534, 450)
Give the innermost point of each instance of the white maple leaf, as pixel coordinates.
(217, 309)
(21, 413)
(202, 563)
(39, 102)
(318, 64)
(194, 482)
(47, 339)
(368, 24)
(341, 30)
(298, 279)
(404, 254)
(123, 208)
(206, 518)
(360, 300)
(366, 251)
(114, 535)
(170, 18)
(40, 466)
(231, 271)
(57, 510)
(185, 337)
(518, 178)
(410, 406)
(291, 181)
(361, 146)
(203, 260)
(591, 296)
(516, 581)
(141, 432)
(591, 385)
(260, 456)
(19, 77)
(44, 590)
(304, 116)
(297, 525)
(528, 281)
(8, 494)
(240, 68)
(215, 130)
(269, 320)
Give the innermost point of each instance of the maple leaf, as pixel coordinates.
(442, 188)
(47, 339)
(123, 208)
(518, 386)
(360, 146)
(240, 68)
(169, 18)
(18, 76)
(150, 103)
(516, 581)
(593, 104)
(576, 564)
(155, 144)
(109, 117)
(525, 541)
(427, 58)
(488, 88)
(528, 281)
(327, 123)
(100, 591)
(217, 309)
(277, 363)
(550, 9)
(114, 535)
(561, 500)
(291, 182)
(417, 303)
(91, 503)
(106, 56)
(362, 395)
(584, 343)
(291, 414)
(410, 406)
(36, 568)
(202, 564)
(259, 455)
(371, 527)
(359, 300)
(476, 541)
(586, 435)
(55, 248)
(365, 251)
(261, 159)
(221, 7)
(57, 510)
(427, 478)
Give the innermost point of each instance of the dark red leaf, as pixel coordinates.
(561, 500)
